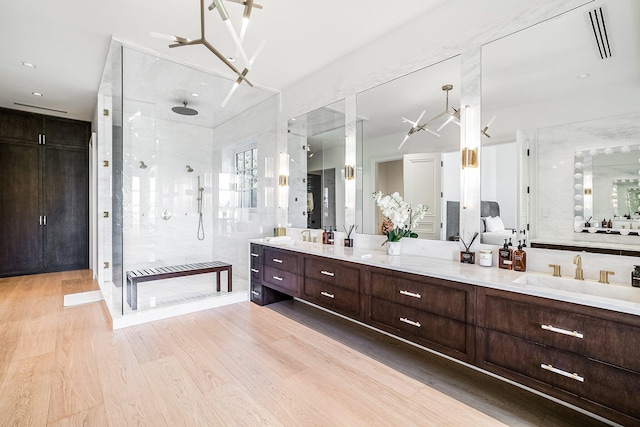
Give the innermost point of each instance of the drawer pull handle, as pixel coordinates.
(410, 322)
(327, 294)
(562, 331)
(279, 261)
(573, 376)
(278, 278)
(410, 294)
(256, 293)
(255, 270)
(327, 273)
(255, 255)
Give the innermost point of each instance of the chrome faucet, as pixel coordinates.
(577, 260)
(306, 238)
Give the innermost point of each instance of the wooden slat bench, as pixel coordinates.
(148, 274)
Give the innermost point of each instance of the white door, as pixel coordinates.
(421, 176)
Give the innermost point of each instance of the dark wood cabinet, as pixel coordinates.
(436, 313)
(584, 355)
(259, 294)
(44, 208)
(334, 285)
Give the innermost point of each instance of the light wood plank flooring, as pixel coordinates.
(287, 364)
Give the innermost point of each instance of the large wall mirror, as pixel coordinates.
(565, 87)
(316, 148)
(408, 142)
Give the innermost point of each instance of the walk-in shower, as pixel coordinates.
(200, 223)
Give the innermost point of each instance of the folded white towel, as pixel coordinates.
(279, 239)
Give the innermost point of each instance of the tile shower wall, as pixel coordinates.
(161, 208)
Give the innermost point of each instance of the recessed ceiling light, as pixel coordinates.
(29, 64)
(36, 94)
(194, 94)
(231, 59)
(582, 76)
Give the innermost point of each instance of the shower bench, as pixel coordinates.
(148, 274)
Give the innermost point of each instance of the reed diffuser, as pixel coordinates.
(348, 241)
(467, 256)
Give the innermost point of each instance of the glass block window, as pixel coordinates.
(247, 178)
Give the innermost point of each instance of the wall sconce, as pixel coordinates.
(283, 176)
(469, 158)
(349, 172)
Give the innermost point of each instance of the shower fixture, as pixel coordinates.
(200, 234)
(142, 165)
(185, 111)
(189, 168)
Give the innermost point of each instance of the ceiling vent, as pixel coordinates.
(596, 21)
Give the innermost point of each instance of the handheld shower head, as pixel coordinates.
(189, 168)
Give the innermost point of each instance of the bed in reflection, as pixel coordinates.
(492, 229)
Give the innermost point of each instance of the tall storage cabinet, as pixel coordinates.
(44, 202)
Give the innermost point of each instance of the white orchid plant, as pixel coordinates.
(402, 216)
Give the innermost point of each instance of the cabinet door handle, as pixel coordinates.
(562, 331)
(327, 294)
(256, 293)
(256, 255)
(45, 220)
(410, 294)
(255, 270)
(327, 273)
(40, 221)
(278, 278)
(573, 376)
(279, 261)
(410, 322)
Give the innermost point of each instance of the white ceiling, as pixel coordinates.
(68, 41)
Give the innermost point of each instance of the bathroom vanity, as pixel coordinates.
(579, 348)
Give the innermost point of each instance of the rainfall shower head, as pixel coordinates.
(142, 165)
(185, 111)
(189, 168)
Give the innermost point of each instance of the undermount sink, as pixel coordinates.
(581, 287)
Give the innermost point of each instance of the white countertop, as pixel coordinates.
(626, 299)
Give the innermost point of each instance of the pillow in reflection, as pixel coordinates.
(494, 223)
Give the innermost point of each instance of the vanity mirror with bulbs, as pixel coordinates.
(561, 153)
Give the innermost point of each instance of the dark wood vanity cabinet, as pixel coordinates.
(334, 285)
(281, 270)
(583, 355)
(259, 294)
(435, 313)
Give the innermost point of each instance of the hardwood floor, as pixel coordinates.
(287, 364)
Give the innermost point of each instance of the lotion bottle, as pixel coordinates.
(324, 236)
(505, 257)
(519, 258)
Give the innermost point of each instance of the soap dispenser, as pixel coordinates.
(505, 257)
(324, 236)
(519, 258)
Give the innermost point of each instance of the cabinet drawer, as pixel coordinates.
(561, 325)
(334, 297)
(338, 274)
(548, 369)
(452, 302)
(280, 259)
(255, 260)
(281, 280)
(263, 295)
(421, 327)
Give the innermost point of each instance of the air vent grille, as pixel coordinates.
(598, 25)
